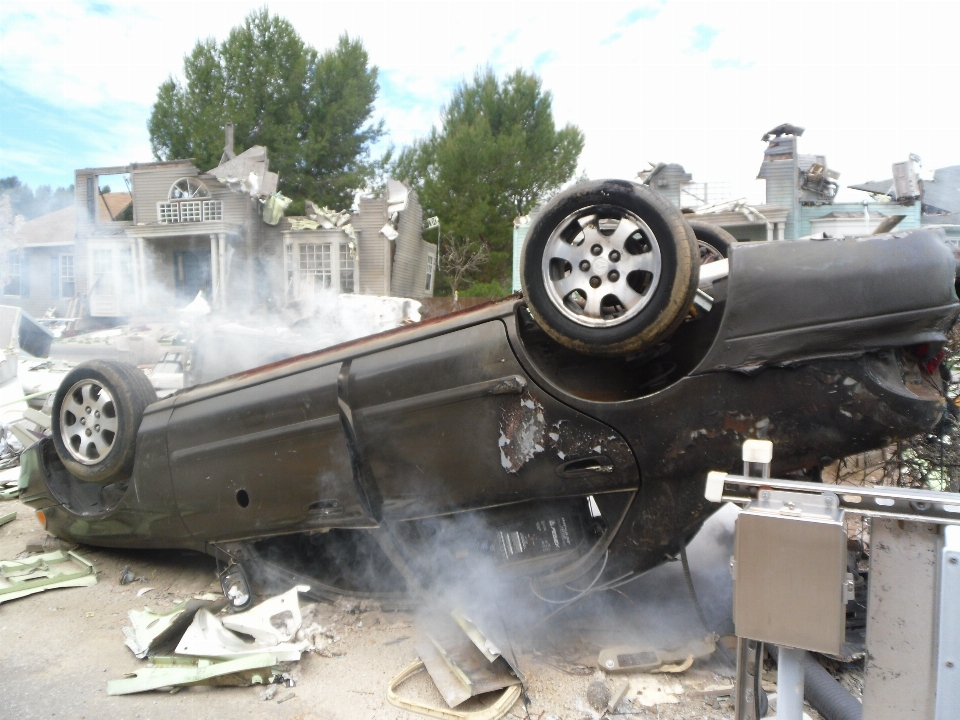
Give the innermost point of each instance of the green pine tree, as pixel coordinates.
(312, 111)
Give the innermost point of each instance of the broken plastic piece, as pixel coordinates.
(158, 633)
(171, 672)
(494, 712)
(44, 572)
(273, 621)
(207, 637)
(4, 519)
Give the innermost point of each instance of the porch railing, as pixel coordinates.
(182, 211)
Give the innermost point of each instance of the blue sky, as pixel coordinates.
(692, 82)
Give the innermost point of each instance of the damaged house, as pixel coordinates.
(179, 231)
(800, 197)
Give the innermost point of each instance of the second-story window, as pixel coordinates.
(189, 201)
(188, 189)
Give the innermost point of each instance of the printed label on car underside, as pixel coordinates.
(534, 539)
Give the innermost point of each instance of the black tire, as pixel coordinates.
(714, 236)
(617, 328)
(78, 443)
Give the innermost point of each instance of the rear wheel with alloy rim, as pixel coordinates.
(609, 267)
(96, 415)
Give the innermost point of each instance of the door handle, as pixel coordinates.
(585, 467)
(326, 508)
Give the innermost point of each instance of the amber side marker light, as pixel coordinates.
(42, 518)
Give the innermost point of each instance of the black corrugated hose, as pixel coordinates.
(825, 694)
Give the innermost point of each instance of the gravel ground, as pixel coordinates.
(59, 648)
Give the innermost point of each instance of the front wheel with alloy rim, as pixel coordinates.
(96, 415)
(609, 267)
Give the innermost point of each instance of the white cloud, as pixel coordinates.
(871, 82)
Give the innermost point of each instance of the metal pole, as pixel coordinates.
(790, 683)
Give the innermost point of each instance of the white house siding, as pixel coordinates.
(857, 226)
(373, 248)
(153, 185)
(410, 261)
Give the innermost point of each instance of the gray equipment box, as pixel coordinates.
(790, 571)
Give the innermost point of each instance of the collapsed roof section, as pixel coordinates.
(939, 195)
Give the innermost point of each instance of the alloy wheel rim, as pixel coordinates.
(601, 266)
(88, 422)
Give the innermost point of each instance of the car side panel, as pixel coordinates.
(277, 446)
(453, 423)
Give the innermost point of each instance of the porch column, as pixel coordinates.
(142, 268)
(780, 226)
(222, 238)
(214, 270)
(769, 232)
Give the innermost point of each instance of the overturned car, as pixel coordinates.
(547, 435)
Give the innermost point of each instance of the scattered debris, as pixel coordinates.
(273, 621)
(618, 694)
(629, 658)
(207, 637)
(143, 591)
(256, 669)
(675, 668)
(494, 712)
(9, 517)
(269, 693)
(10, 478)
(458, 667)
(484, 645)
(126, 576)
(598, 695)
(289, 696)
(19, 578)
(48, 544)
(158, 633)
(712, 691)
(652, 690)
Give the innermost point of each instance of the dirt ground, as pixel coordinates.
(59, 648)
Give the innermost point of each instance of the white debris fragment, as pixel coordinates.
(651, 690)
(207, 637)
(275, 620)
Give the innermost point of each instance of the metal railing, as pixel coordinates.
(182, 211)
